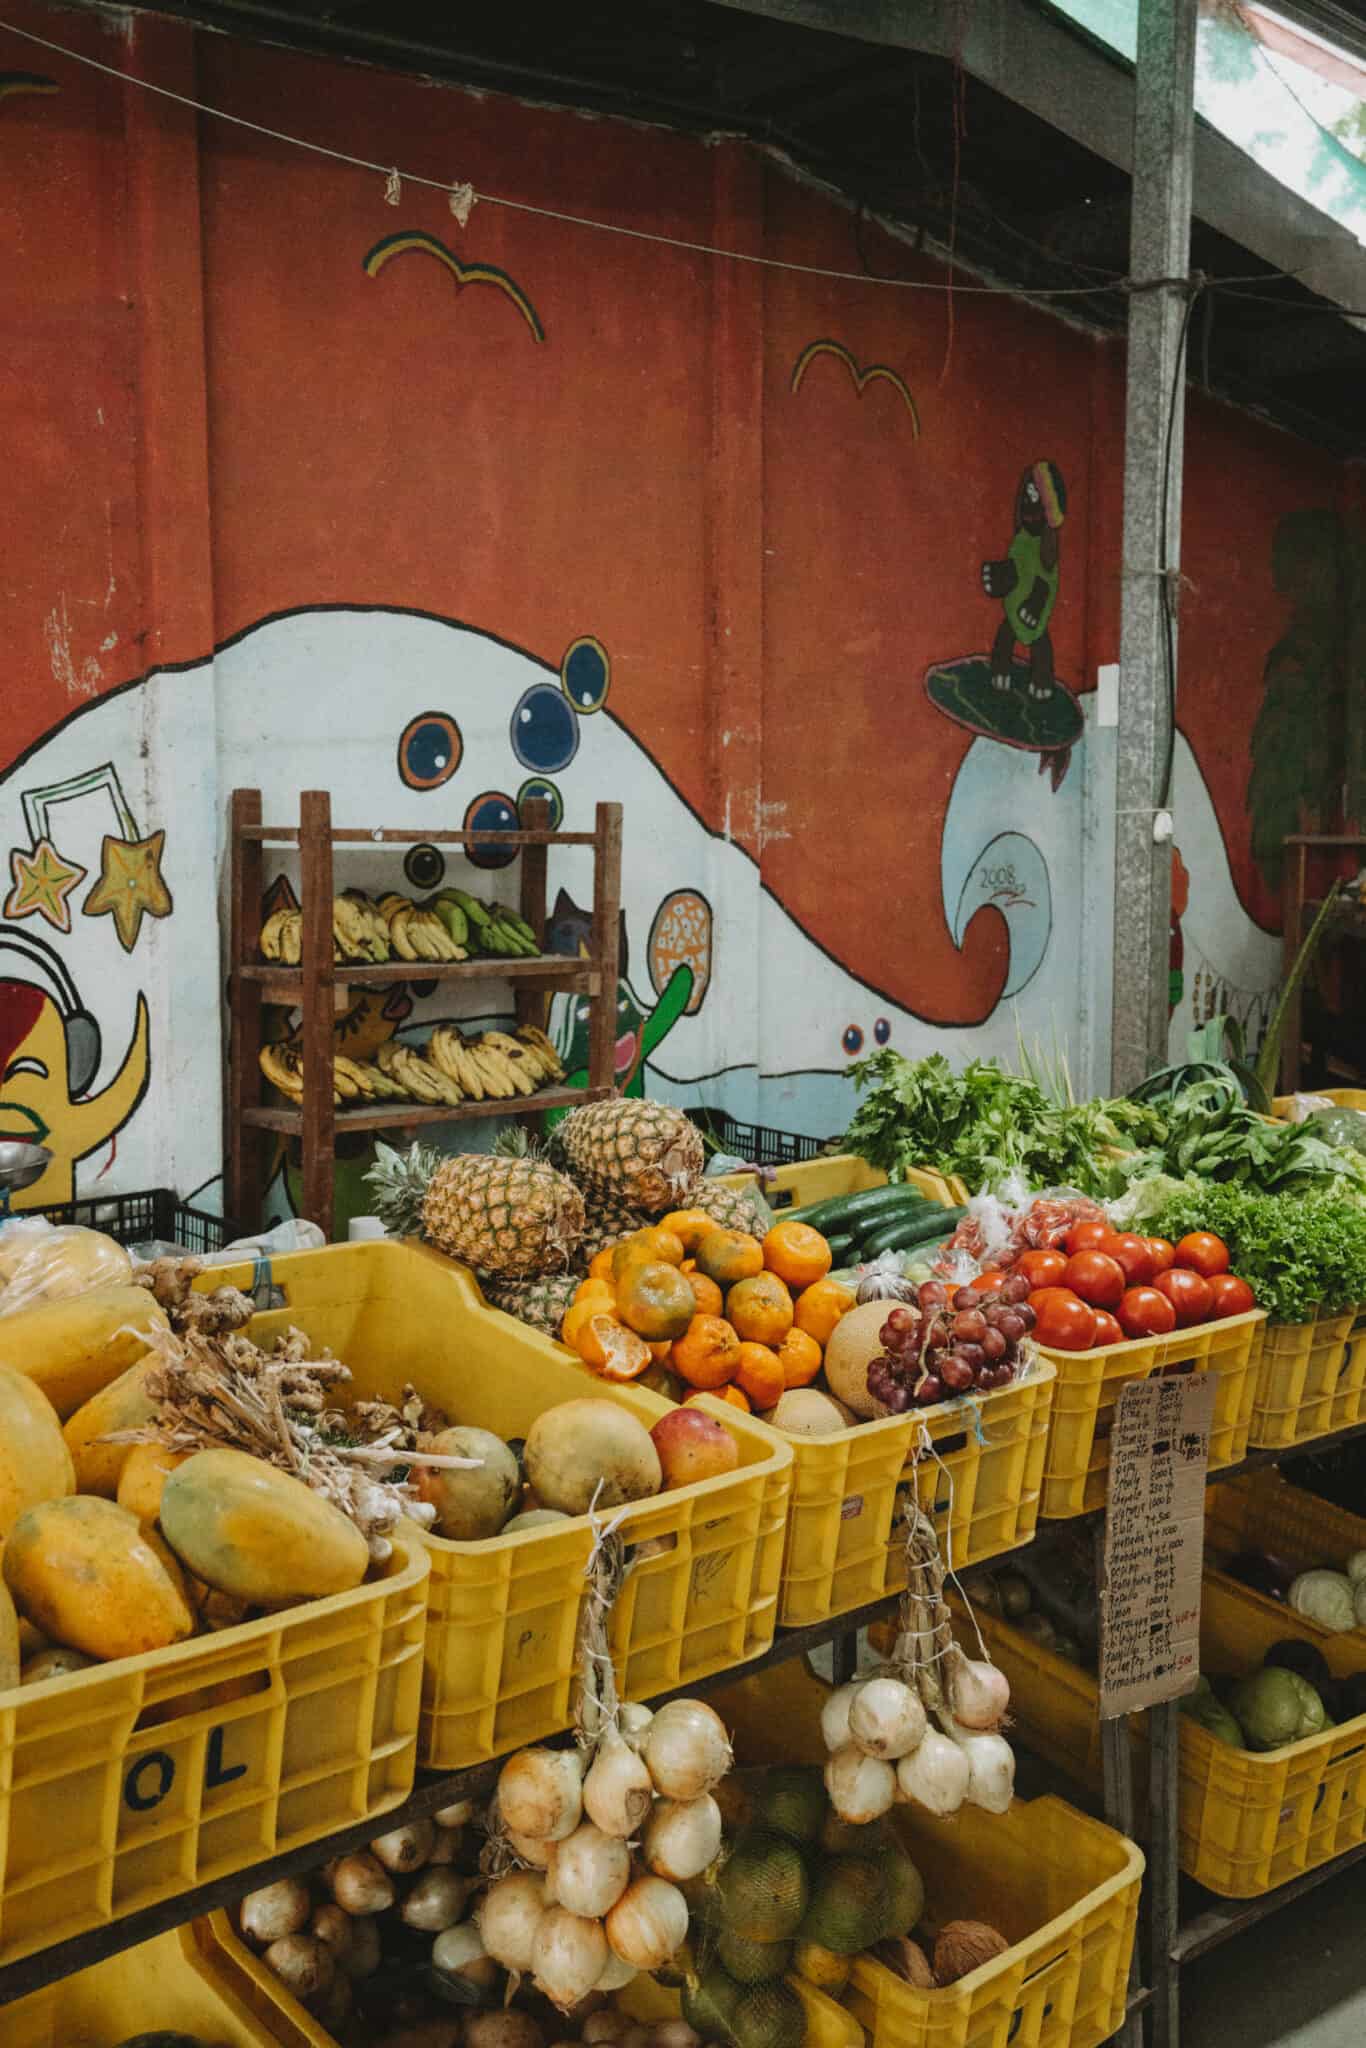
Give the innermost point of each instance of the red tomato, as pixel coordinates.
(1230, 1296)
(1040, 1268)
(1203, 1252)
(1143, 1312)
(1095, 1277)
(1189, 1294)
(1084, 1237)
(1163, 1251)
(988, 1282)
(1064, 1321)
(1107, 1328)
(1133, 1254)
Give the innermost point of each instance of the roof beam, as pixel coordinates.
(1037, 59)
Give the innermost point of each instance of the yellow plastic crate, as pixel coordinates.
(1061, 1887)
(244, 1977)
(1309, 1379)
(128, 1783)
(843, 1173)
(167, 1983)
(1077, 1466)
(1345, 1098)
(503, 1613)
(1261, 1512)
(1054, 1705)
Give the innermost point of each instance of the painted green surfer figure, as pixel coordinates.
(1026, 582)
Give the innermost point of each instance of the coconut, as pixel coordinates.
(853, 1345)
(580, 1449)
(806, 1411)
(474, 1502)
(848, 1906)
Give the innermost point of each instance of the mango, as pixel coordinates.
(250, 1530)
(83, 1571)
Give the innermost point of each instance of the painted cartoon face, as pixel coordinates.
(35, 1103)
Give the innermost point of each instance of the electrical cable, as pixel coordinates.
(1165, 566)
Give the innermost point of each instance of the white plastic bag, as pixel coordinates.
(295, 1234)
(61, 1262)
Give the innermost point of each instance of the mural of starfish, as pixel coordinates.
(130, 885)
(42, 883)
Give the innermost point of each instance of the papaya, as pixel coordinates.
(10, 1659)
(35, 1464)
(73, 1349)
(144, 1473)
(250, 1530)
(123, 1404)
(83, 1571)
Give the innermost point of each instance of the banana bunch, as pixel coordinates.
(282, 937)
(481, 1071)
(363, 1079)
(419, 932)
(283, 1066)
(490, 927)
(359, 931)
(419, 1078)
(541, 1053)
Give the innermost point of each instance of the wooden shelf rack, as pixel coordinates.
(314, 986)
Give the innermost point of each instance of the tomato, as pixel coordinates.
(1203, 1252)
(1095, 1277)
(1064, 1321)
(1040, 1268)
(1133, 1254)
(1107, 1329)
(988, 1282)
(1143, 1312)
(1189, 1294)
(1230, 1296)
(1084, 1237)
(1163, 1251)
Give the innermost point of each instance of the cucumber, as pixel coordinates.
(840, 1245)
(848, 1212)
(901, 1235)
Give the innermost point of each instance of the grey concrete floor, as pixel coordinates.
(1295, 1980)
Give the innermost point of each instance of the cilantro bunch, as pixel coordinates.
(1302, 1255)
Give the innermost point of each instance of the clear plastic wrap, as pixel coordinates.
(59, 1262)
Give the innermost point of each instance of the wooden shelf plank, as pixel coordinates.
(360, 835)
(550, 970)
(397, 1116)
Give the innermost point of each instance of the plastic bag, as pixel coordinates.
(1302, 1107)
(18, 1236)
(61, 1262)
(295, 1234)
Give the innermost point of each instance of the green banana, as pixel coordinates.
(472, 907)
(453, 917)
(518, 923)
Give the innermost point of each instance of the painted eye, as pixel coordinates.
(424, 866)
(882, 1031)
(586, 675)
(26, 1066)
(534, 786)
(492, 812)
(852, 1040)
(429, 750)
(545, 730)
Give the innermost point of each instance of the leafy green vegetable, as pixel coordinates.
(1302, 1255)
(1213, 1135)
(985, 1124)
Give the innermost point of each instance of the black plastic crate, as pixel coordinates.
(135, 1219)
(756, 1144)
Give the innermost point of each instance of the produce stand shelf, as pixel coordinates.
(397, 1116)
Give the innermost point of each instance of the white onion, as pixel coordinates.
(633, 1722)
(687, 1749)
(459, 1952)
(334, 1925)
(616, 1976)
(540, 1793)
(589, 1871)
(455, 1816)
(835, 1718)
(303, 1965)
(607, 2024)
(618, 1791)
(886, 1718)
(436, 1901)
(649, 1922)
(363, 1957)
(991, 1769)
(935, 1774)
(682, 1837)
(674, 2034)
(979, 1694)
(568, 1955)
(511, 1911)
(861, 1788)
(361, 1885)
(275, 1910)
(405, 1848)
(537, 1854)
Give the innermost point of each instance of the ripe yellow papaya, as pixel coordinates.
(35, 1464)
(83, 1571)
(9, 1641)
(248, 1529)
(123, 1404)
(144, 1474)
(73, 1349)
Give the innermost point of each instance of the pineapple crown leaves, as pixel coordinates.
(399, 1181)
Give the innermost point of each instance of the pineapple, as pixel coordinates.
(730, 1208)
(645, 1154)
(541, 1301)
(608, 1221)
(510, 1215)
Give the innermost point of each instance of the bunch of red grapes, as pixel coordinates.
(952, 1343)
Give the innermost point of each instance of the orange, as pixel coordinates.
(726, 1256)
(600, 1265)
(708, 1296)
(732, 1393)
(760, 1375)
(652, 1246)
(688, 1225)
(660, 1350)
(655, 1300)
(707, 1354)
(611, 1349)
(595, 1288)
(797, 1254)
(760, 1308)
(820, 1306)
(580, 1313)
(800, 1358)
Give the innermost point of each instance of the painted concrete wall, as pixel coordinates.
(304, 489)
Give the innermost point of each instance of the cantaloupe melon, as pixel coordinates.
(123, 1404)
(250, 1530)
(35, 1464)
(852, 1346)
(806, 1411)
(82, 1571)
(73, 1349)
